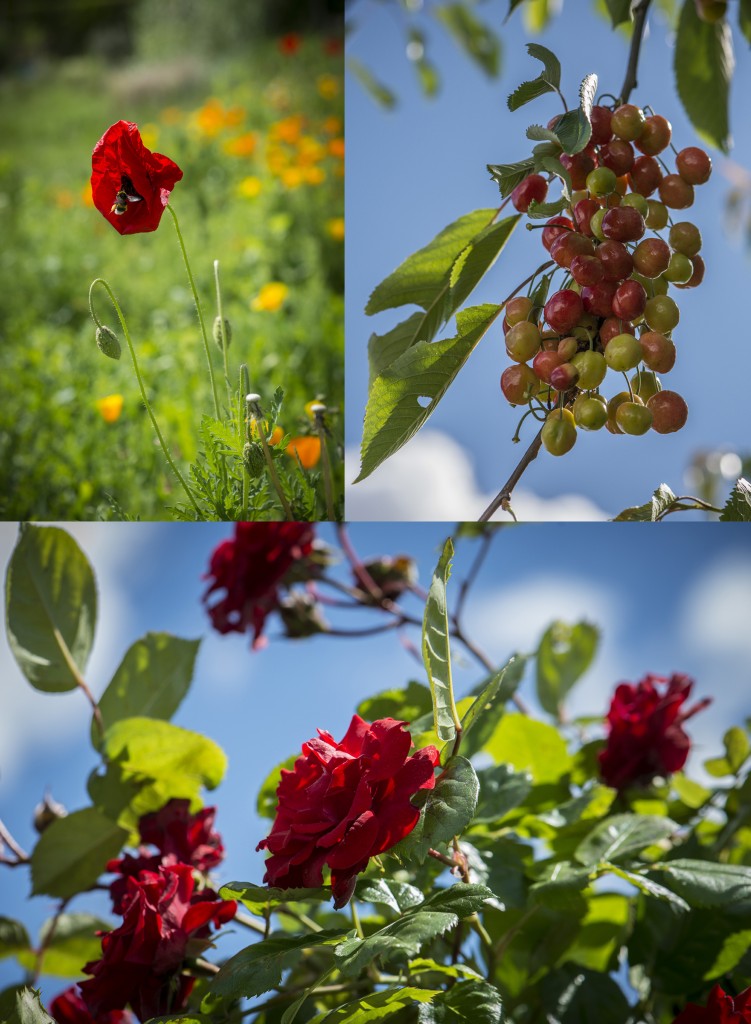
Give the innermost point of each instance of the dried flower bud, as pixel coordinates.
(253, 458)
(46, 812)
(392, 575)
(222, 338)
(107, 342)
(301, 615)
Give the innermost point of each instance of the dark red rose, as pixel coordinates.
(344, 803)
(720, 1009)
(249, 568)
(646, 736)
(130, 185)
(164, 921)
(69, 1008)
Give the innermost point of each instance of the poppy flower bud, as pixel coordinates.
(225, 337)
(46, 812)
(253, 458)
(301, 616)
(107, 342)
(392, 575)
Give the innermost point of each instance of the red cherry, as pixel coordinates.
(545, 362)
(645, 175)
(518, 309)
(584, 211)
(694, 165)
(612, 326)
(656, 135)
(651, 257)
(618, 156)
(554, 228)
(586, 270)
(616, 260)
(533, 187)
(571, 244)
(599, 298)
(564, 377)
(578, 166)
(629, 300)
(675, 192)
(698, 275)
(628, 122)
(563, 310)
(601, 130)
(659, 351)
(623, 224)
(669, 412)
(519, 383)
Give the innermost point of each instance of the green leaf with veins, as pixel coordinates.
(703, 62)
(738, 506)
(622, 835)
(436, 648)
(447, 810)
(73, 851)
(574, 128)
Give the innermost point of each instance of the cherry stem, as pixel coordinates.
(640, 19)
(13, 846)
(698, 505)
(503, 497)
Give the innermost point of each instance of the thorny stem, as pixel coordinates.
(198, 309)
(139, 378)
(640, 18)
(223, 333)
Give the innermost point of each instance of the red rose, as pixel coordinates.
(646, 736)
(344, 803)
(165, 921)
(720, 1009)
(249, 569)
(180, 837)
(130, 185)
(69, 1008)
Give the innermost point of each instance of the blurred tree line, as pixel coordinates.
(35, 30)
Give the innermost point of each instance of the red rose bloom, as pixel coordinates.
(249, 569)
(130, 185)
(646, 736)
(165, 920)
(69, 1008)
(720, 1009)
(344, 803)
(180, 837)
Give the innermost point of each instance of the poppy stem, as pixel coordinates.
(198, 309)
(223, 332)
(244, 434)
(255, 409)
(319, 411)
(139, 378)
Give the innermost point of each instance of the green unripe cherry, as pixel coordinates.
(559, 432)
(623, 352)
(590, 412)
(679, 269)
(633, 418)
(592, 369)
(661, 313)
(595, 225)
(645, 384)
(638, 202)
(601, 181)
(657, 215)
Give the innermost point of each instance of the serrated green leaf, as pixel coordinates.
(732, 951)
(662, 499)
(621, 835)
(383, 96)
(406, 393)
(462, 899)
(14, 938)
(228, 438)
(150, 681)
(51, 608)
(528, 91)
(398, 896)
(475, 37)
(258, 898)
(648, 886)
(552, 65)
(501, 790)
(537, 133)
(396, 943)
(738, 506)
(375, 1006)
(508, 176)
(574, 128)
(73, 851)
(563, 656)
(541, 211)
(737, 747)
(29, 1009)
(575, 995)
(708, 884)
(744, 19)
(74, 943)
(560, 887)
(259, 967)
(530, 745)
(489, 704)
(436, 648)
(554, 166)
(475, 1002)
(619, 11)
(703, 62)
(384, 349)
(447, 810)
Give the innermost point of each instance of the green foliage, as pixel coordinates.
(381, 93)
(260, 898)
(490, 703)
(72, 943)
(623, 835)
(708, 884)
(563, 656)
(619, 11)
(574, 128)
(73, 851)
(447, 810)
(375, 1006)
(549, 79)
(738, 507)
(14, 938)
(658, 506)
(703, 64)
(475, 38)
(474, 1002)
(744, 18)
(28, 1009)
(501, 790)
(530, 745)
(51, 606)
(436, 650)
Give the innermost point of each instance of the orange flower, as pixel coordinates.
(110, 407)
(243, 145)
(336, 148)
(270, 297)
(307, 450)
(289, 129)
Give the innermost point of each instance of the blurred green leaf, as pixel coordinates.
(501, 790)
(447, 810)
(476, 1002)
(14, 938)
(738, 506)
(563, 656)
(476, 38)
(74, 943)
(737, 747)
(151, 680)
(73, 851)
(51, 608)
(375, 1006)
(490, 701)
(733, 949)
(619, 11)
(648, 886)
(744, 18)
(383, 96)
(703, 62)
(404, 395)
(267, 801)
(436, 648)
(407, 704)
(573, 995)
(622, 835)
(528, 744)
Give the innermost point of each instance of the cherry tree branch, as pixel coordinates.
(640, 19)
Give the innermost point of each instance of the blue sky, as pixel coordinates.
(413, 170)
(666, 601)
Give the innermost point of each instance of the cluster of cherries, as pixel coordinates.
(616, 282)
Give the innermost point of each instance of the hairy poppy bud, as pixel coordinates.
(301, 616)
(222, 338)
(46, 812)
(107, 342)
(253, 458)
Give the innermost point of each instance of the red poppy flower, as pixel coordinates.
(249, 568)
(69, 1008)
(720, 1009)
(344, 803)
(646, 736)
(130, 185)
(290, 43)
(164, 921)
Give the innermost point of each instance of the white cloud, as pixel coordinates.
(31, 719)
(432, 479)
(717, 612)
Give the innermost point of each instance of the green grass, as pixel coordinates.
(58, 458)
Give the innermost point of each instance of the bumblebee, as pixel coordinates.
(124, 195)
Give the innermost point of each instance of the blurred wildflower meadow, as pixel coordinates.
(247, 100)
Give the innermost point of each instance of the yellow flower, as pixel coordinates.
(234, 116)
(150, 135)
(310, 150)
(307, 450)
(110, 407)
(328, 86)
(335, 228)
(276, 434)
(243, 145)
(292, 177)
(313, 175)
(172, 115)
(210, 117)
(250, 187)
(270, 298)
